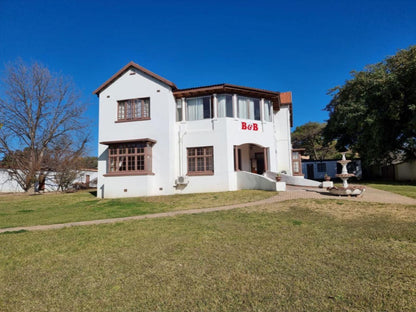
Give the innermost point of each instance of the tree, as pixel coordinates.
(89, 162)
(374, 113)
(310, 137)
(38, 110)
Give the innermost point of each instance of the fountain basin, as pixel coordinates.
(351, 190)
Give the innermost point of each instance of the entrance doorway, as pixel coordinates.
(251, 158)
(259, 162)
(309, 170)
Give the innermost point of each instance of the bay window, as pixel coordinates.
(130, 158)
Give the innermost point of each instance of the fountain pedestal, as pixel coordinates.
(344, 176)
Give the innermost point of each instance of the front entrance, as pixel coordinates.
(251, 158)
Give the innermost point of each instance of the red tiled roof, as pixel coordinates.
(138, 67)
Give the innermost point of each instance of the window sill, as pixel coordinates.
(208, 173)
(130, 120)
(121, 174)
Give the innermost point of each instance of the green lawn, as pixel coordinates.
(408, 190)
(303, 255)
(50, 208)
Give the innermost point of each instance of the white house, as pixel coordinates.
(156, 139)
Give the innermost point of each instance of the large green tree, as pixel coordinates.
(310, 137)
(374, 113)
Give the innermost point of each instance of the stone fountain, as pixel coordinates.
(344, 176)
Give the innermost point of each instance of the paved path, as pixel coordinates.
(293, 192)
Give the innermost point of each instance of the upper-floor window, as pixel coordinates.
(248, 108)
(225, 105)
(198, 108)
(268, 110)
(134, 109)
(179, 110)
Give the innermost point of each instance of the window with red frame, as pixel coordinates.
(134, 109)
(200, 160)
(130, 158)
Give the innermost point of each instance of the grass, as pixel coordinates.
(303, 255)
(51, 208)
(408, 190)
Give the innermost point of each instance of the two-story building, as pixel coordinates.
(156, 139)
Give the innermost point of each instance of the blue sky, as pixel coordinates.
(306, 47)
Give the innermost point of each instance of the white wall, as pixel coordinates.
(7, 184)
(283, 141)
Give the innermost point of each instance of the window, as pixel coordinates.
(225, 105)
(296, 167)
(179, 110)
(130, 158)
(198, 108)
(201, 160)
(248, 108)
(321, 167)
(135, 109)
(268, 110)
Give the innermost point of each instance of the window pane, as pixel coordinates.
(266, 110)
(146, 108)
(179, 110)
(122, 166)
(225, 105)
(191, 164)
(242, 108)
(137, 108)
(229, 104)
(256, 104)
(194, 109)
(130, 163)
(121, 111)
(296, 167)
(140, 162)
(207, 107)
(221, 105)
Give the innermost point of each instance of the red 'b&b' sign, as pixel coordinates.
(250, 126)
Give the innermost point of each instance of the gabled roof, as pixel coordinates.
(138, 67)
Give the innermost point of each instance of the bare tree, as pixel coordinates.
(38, 109)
